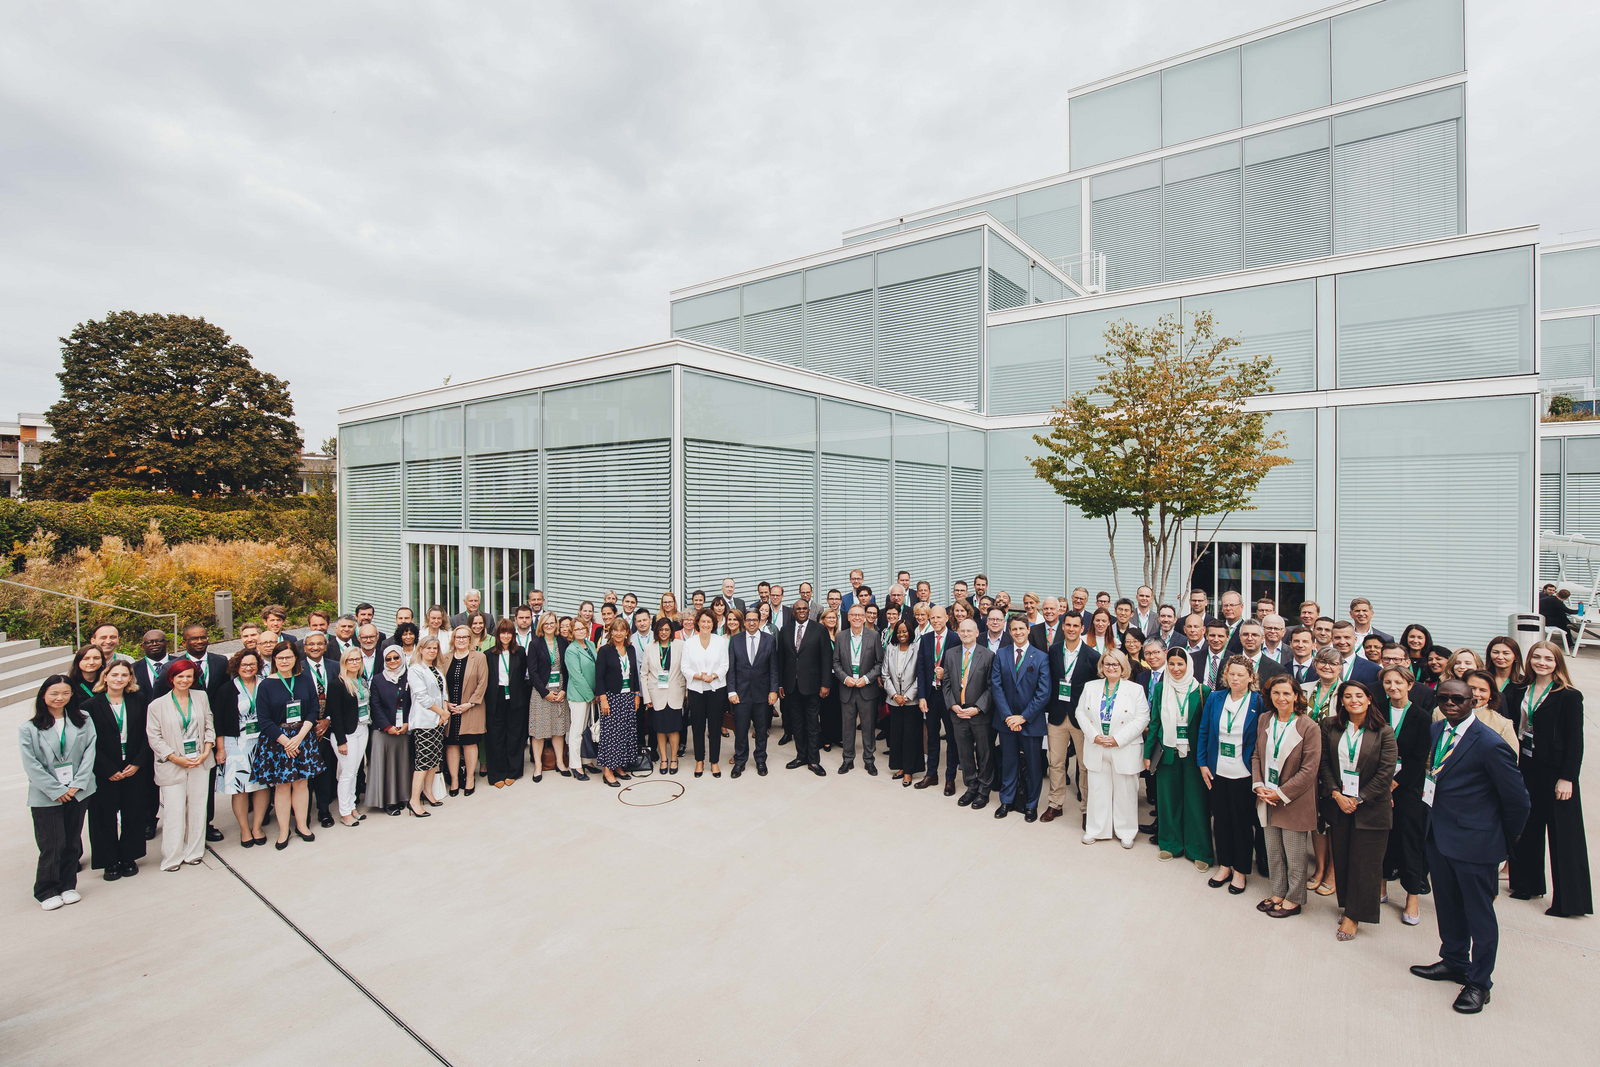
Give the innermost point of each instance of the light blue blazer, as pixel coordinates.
(41, 751)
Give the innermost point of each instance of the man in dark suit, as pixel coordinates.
(1479, 807)
(470, 603)
(805, 670)
(322, 664)
(728, 587)
(966, 671)
(1209, 660)
(782, 614)
(1231, 605)
(1252, 635)
(752, 690)
(1020, 688)
(1072, 664)
(930, 699)
(856, 666)
(1302, 649)
(1356, 666)
(1048, 633)
(275, 617)
(1361, 616)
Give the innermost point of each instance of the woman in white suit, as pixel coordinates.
(1113, 712)
(182, 737)
(661, 677)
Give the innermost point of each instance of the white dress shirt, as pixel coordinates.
(711, 659)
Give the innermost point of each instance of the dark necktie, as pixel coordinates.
(1019, 656)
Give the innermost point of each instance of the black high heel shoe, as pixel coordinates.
(419, 814)
(452, 792)
(467, 792)
(672, 768)
(538, 777)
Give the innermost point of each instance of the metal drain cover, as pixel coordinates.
(650, 794)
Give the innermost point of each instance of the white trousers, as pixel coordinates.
(1113, 804)
(183, 818)
(349, 765)
(580, 719)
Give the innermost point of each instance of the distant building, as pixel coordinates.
(19, 450)
(317, 472)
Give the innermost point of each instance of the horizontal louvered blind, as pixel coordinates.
(839, 336)
(369, 538)
(1288, 209)
(1566, 348)
(1127, 228)
(1471, 343)
(433, 494)
(1005, 293)
(1027, 534)
(855, 520)
(921, 509)
(608, 521)
(1397, 188)
(1008, 275)
(1204, 226)
(1089, 555)
(1286, 499)
(1051, 220)
(1580, 512)
(774, 334)
(749, 515)
(724, 334)
(928, 337)
(1549, 521)
(966, 523)
(503, 492)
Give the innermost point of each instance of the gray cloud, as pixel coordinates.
(372, 196)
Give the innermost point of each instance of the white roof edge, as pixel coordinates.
(1563, 246)
(1581, 428)
(1344, 263)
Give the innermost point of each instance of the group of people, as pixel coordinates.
(1326, 756)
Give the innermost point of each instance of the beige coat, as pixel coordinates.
(473, 720)
(1297, 778)
(164, 729)
(672, 695)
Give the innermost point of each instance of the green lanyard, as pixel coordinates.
(316, 672)
(155, 671)
(1279, 735)
(1233, 716)
(1538, 701)
(1445, 745)
(855, 649)
(666, 655)
(200, 666)
(1319, 708)
(1110, 698)
(119, 713)
(505, 673)
(64, 736)
(1017, 664)
(1400, 719)
(86, 690)
(250, 695)
(1352, 743)
(288, 688)
(966, 660)
(186, 713)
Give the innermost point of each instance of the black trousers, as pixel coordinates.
(1357, 864)
(1469, 933)
(937, 723)
(1233, 822)
(745, 716)
(506, 736)
(1562, 822)
(705, 718)
(324, 785)
(807, 726)
(58, 831)
(1406, 857)
(109, 845)
(905, 738)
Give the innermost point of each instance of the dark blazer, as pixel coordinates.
(1087, 667)
(1021, 691)
(1211, 728)
(1200, 667)
(517, 681)
(979, 677)
(343, 707)
(608, 670)
(1364, 670)
(151, 687)
(1424, 697)
(1480, 802)
(228, 709)
(871, 662)
(539, 665)
(1411, 746)
(1036, 637)
(272, 699)
(1268, 669)
(1374, 765)
(1558, 733)
(808, 670)
(108, 755)
(927, 688)
(390, 700)
(330, 673)
(754, 680)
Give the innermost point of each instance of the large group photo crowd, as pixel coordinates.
(1311, 750)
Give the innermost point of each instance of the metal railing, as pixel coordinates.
(1088, 269)
(79, 601)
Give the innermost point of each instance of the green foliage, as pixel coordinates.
(167, 403)
(313, 528)
(75, 526)
(133, 498)
(1560, 404)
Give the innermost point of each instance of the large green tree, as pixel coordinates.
(168, 403)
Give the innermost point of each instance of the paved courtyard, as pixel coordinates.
(778, 920)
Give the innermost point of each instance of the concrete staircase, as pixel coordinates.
(24, 664)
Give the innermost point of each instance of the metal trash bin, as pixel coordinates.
(222, 607)
(1525, 628)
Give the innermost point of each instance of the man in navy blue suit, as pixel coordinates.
(1357, 668)
(1479, 806)
(1019, 690)
(752, 690)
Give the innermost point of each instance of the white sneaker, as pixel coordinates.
(71, 896)
(1088, 840)
(1127, 844)
(51, 903)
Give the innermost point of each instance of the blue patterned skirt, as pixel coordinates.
(619, 732)
(271, 765)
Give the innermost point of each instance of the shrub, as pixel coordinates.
(140, 498)
(75, 526)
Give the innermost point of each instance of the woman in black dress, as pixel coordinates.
(1551, 732)
(616, 685)
(830, 731)
(505, 705)
(1358, 757)
(121, 765)
(1406, 855)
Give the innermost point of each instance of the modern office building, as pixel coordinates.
(874, 405)
(1569, 461)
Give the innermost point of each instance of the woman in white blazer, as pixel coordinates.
(183, 740)
(661, 677)
(705, 666)
(425, 723)
(1113, 712)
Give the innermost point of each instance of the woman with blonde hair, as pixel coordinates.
(466, 676)
(121, 771)
(580, 660)
(350, 709)
(1462, 661)
(1113, 714)
(549, 716)
(425, 723)
(1551, 736)
(617, 689)
(1227, 750)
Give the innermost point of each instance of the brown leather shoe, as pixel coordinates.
(1049, 814)
(950, 788)
(926, 782)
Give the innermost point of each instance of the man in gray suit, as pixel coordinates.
(473, 601)
(857, 663)
(966, 694)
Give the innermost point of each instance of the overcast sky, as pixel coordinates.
(370, 196)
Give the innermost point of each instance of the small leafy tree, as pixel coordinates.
(1167, 437)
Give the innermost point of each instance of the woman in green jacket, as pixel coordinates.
(580, 692)
(1171, 751)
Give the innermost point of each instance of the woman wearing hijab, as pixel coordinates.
(617, 683)
(238, 732)
(121, 762)
(1183, 820)
(182, 738)
(580, 660)
(1552, 760)
(389, 751)
(1227, 751)
(1358, 758)
(287, 754)
(665, 688)
(350, 709)
(1406, 856)
(58, 752)
(1283, 773)
(505, 705)
(466, 677)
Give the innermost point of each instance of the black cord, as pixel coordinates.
(352, 979)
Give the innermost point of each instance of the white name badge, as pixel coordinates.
(63, 773)
(1427, 790)
(291, 713)
(1350, 783)
(365, 717)
(662, 678)
(190, 746)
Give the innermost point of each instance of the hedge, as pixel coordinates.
(136, 498)
(85, 525)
